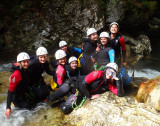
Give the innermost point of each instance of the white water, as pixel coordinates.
(5, 67)
(18, 117)
(147, 73)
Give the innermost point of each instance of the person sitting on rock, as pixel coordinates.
(39, 65)
(59, 68)
(104, 53)
(117, 42)
(90, 86)
(72, 70)
(19, 84)
(89, 50)
(70, 51)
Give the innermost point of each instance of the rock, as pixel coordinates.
(140, 46)
(149, 93)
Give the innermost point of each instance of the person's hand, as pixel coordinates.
(98, 47)
(95, 96)
(93, 60)
(8, 113)
(124, 63)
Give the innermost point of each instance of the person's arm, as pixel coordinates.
(111, 55)
(47, 69)
(14, 81)
(77, 50)
(123, 46)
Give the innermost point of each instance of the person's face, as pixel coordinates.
(94, 36)
(62, 61)
(103, 40)
(42, 58)
(110, 73)
(64, 48)
(25, 63)
(114, 29)
(74, 65)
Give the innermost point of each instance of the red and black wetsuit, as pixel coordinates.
(18, 88)
(118, 44)
(95, 83)
(89, 51)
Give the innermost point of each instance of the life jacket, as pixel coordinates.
(102, 56)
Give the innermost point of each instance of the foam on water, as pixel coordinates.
(18, 117)
(147, 73)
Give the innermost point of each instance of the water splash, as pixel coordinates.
(19, 117)
(6, 67)
(147, 73)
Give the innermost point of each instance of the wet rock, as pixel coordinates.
(149, 93)
(139, 46)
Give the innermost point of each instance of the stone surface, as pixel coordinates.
(149, 93)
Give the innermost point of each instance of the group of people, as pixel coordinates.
(77, 73)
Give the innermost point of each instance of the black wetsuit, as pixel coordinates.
(89, 51)
(39, 88)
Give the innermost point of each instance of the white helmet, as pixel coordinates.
(62, 43)
(41, 51)
(22, 56)
(91, 31)
(60, 54)
(114, 23)
(112, 65)
(71, 59)
(104, 34)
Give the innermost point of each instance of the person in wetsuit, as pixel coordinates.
(19, 83)
(90, 86)
(38, 65)
(117, 42)
(70, 51)
(59, 68)
(72, 70)
(104, 53)
(89, 50)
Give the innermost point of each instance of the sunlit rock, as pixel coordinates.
(149, 93)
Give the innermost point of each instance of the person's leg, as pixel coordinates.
(61, 92)
(66, 107)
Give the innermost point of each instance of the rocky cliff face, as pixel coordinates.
(47, 22)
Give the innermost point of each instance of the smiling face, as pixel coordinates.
(25, 63)
(42, 58)
(114, 29)
(62, 61)
(93, 36)
(74, 65)
(103, 40)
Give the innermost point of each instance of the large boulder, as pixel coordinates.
(149, 93)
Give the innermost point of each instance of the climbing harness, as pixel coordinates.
(74, 101)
